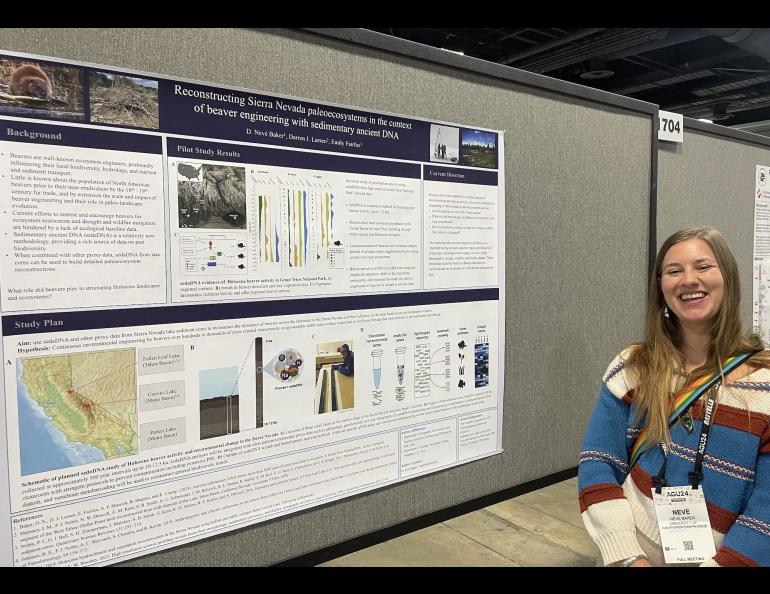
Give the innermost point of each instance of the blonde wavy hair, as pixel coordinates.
(656, 362)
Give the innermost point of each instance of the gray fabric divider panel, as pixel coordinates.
(710, 180)
(577, 191)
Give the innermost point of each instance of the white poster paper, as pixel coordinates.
(221, 306)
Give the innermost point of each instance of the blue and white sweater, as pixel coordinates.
(617, 507)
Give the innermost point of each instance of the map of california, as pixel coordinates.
(89, 397)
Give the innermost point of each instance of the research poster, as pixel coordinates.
(220, 306)
(761, 278)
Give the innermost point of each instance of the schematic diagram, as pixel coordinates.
(431, 368)
(212, 254)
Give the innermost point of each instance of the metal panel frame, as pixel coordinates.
(725, 132)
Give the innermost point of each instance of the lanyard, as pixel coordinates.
(685, 399)
(696, 475)
(659, 481)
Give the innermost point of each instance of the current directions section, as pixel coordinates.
(461, 228)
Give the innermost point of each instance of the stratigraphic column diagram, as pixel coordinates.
(294, 224)
(322, 213)
(260, 380)
(265, 230)
(295, 203)
(268, 227)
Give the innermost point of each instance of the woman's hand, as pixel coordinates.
(641, 563)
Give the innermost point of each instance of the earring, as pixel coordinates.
(666, 314)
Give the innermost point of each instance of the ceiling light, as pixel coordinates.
(720, 112)
(446, 49)
(597, 74)
(596, 70)
(706, 120)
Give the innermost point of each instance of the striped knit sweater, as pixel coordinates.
(617, 507)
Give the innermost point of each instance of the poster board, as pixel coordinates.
(182, 257)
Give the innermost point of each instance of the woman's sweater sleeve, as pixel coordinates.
(603, 468)
(747, 542)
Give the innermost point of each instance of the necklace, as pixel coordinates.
(687, 422)
(686, 419)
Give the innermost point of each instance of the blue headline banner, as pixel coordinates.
(201, 110)
(30, 133)
(150, 316)
(194, 149)
(460, 176)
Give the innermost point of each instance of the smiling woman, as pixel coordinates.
(692, 286)
(651, 432)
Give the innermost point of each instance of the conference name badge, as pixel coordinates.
(683, 522)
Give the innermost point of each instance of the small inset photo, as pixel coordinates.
(444, 144)
(211, 196)
(39, 89)
(189, 172)
(124, 100)
(479, 149)
(219, 398)
(334, 385)
(286, 366)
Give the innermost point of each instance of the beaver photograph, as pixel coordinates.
(30, 80)
(54, 91)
